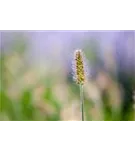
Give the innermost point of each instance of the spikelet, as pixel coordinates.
(79, 67)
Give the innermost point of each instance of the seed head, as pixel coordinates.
(79, 68)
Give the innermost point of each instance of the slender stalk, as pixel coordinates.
(82, 102)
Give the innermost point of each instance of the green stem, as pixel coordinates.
(82, 101)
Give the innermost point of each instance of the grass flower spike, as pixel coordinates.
(80, 75)
(79, 70)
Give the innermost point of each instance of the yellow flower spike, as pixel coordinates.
(79, 67)
(80, 76)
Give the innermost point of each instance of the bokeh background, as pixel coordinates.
(36, 75)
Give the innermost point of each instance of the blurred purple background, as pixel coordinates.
(46, 46)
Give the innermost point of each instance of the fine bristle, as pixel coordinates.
(79, 70)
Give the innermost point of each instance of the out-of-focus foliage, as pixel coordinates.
(26, 94)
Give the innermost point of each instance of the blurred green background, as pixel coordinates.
(36, 75)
